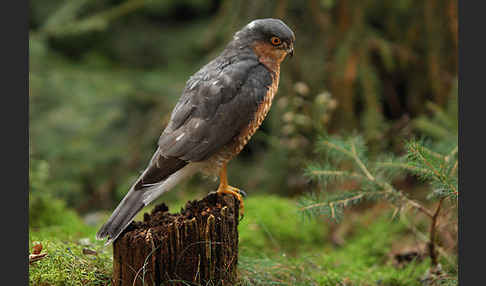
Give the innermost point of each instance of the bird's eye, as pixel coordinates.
(275, 41)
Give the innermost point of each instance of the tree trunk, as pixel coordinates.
(198, 246)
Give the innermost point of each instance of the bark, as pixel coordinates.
(198, 246)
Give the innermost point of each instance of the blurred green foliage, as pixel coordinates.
(272, 224)
(104, 76)
(441, 123)
(45, 210)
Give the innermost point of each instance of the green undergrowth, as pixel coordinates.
(273, 225)
(66, 264)
(364, 259)
(63, 236)
(277, 247)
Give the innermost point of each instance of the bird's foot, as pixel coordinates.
(239, 194)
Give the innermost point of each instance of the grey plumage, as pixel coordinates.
(217, 103)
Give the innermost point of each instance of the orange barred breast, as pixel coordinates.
(258, 118)
(215, 162)
(271, 57)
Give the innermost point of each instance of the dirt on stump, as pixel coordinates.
(198, 246)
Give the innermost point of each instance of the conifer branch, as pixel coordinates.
(451, 154)
(336, 147)
(438, 175)
(434, 154)
(428, 164)
(360, 163)
(404, 198)
(454, 168)
(344, 202)
(337, 174)
(403, 166)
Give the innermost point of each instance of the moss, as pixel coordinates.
(63, 236)
(272, 225)
(66, 264)
(362, 261)
(276, 248)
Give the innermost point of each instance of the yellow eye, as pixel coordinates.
(275, 41)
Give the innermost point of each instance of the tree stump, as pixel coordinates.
(198, 246)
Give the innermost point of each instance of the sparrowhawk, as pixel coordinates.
(221, 107)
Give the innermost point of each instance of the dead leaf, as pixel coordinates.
(37, 248)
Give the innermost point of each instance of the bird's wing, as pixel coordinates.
(214, 107)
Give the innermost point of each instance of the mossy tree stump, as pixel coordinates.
(198, 246)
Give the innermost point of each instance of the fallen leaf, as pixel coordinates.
(37, 248)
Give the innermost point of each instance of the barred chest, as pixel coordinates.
(214, 163)
(258, 118)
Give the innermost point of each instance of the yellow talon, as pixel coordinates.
(224, 188)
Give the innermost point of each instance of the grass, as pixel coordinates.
(64, 235)
(277, 247)
(363, 260)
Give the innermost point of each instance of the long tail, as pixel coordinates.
(161, 175)
(123, 215)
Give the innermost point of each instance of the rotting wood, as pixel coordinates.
(198, 246)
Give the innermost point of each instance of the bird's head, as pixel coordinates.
(271, 39)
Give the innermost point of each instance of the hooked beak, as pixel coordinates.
(290, 50)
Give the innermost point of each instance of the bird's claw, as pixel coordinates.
(242, 193)
(239, 194)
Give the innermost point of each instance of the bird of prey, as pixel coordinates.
(221, 107)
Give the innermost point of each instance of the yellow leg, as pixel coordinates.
(224, 188)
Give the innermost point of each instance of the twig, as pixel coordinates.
(454, 169)
(403, 166)
(360, 163)
(389, 189)
(451, 154)
(433, 230)
(340, 149)
(343, 201)
(337, 173)
(423, 237)
(36, 257)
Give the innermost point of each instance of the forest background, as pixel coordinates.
(104, 76)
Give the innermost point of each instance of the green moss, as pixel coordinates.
(362, 261)
(276, 248)
(364, 258)
(272, 224)
(65, 263)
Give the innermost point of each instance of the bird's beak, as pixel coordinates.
(290, 50)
